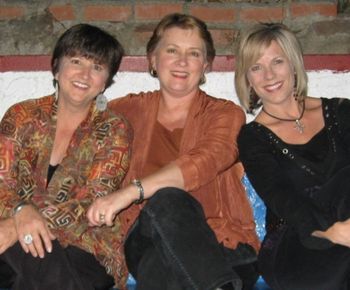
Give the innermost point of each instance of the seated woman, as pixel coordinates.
(58, 153)
(196, 230)
(296, 154)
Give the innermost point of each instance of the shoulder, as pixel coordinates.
(248, 130)
(220, 103)
(341, 109)
(221, 107)
(31, 104)
(252, 133)
(132, 100)
(112, 122)
(28, 108)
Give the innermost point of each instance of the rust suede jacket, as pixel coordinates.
(208, 159)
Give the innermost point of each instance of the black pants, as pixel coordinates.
(286, 264)
(64, 268)
(171, 247)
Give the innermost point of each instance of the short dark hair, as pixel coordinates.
(183, 21)
(90, 42)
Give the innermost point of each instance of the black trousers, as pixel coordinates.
(171, 247)
(286, 264)
(64, 268)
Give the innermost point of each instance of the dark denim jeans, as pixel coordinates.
(171, 247)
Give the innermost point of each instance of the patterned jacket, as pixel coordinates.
(96, 162)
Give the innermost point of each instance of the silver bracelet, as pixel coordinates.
(139, 186)
(19, 206)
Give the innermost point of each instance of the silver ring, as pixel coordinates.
(28, 239)
(102, 217)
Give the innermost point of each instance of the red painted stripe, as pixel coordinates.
(335, 62)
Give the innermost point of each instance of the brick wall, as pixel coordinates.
(32, 27)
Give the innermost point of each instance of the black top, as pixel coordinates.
(301, 185)
(51, 170)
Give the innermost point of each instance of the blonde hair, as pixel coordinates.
(249, 50)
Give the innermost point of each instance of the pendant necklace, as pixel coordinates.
(299, 126)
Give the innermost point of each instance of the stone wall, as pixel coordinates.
(31, 27)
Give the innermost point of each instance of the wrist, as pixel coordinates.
(138, 184)
(19, 206)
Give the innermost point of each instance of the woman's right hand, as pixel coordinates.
(338, 233)
(29, 221)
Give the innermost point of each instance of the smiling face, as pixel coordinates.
(272, 75)
(180, 61)
(80, 80)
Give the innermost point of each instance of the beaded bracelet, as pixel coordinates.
(139, 186)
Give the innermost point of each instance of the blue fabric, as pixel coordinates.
(259, 211)
(131, 283)
(259, 208)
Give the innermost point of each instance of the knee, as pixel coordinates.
(170, 200)
(170, 197)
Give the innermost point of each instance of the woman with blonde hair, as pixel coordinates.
(296, 155)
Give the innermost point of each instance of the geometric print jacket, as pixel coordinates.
(96, 161)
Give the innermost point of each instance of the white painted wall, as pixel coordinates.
(18, 86)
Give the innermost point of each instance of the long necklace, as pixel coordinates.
(298, 124)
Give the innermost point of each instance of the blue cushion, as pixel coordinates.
(259, 211)
(259, 208)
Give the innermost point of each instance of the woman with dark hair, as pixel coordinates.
(187, 221)
(58, 153)
(296, 155)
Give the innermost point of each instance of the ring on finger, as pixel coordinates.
(28, 239)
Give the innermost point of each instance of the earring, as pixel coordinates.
(56, 90)
(153, 72)
(295, 95)
(101, 102)
(203, 80)
(253, 99)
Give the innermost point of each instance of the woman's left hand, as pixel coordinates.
(104, 209)
(338, 233)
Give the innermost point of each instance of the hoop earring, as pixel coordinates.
(101, 102)
(153, 73)
(202, 80)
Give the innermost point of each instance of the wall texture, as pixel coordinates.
(30, 77)
(31, 27)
